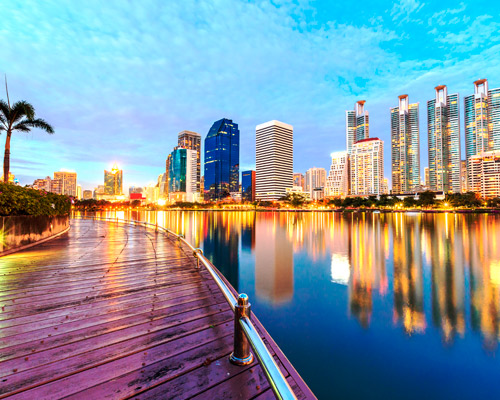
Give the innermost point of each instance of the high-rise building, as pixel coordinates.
(337, 183)
(222, 160)
(192, 141)
(68, 182)
(167, 175)
(113, 181)
(405, 147)
(443, 126)
(482, 121)
(426, 178)
(357, 124)
(87, 194)
(315, 179)
(274, 160)
(56, 186)
(79, 192)
(385, 186)
(183, 175)
(463, 176)
(42, 184)
(485, 173)
(298, 180)
(367, 167)
(248, 186)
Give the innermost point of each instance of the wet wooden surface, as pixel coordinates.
(112, 311)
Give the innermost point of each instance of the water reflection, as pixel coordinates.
(435, 274)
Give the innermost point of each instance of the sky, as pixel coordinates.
(119, 80)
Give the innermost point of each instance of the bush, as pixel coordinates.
(16, 200)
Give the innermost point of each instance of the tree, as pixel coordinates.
(427, 198)
(295, 199)
(19, 117)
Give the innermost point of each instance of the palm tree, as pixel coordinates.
(19, 117)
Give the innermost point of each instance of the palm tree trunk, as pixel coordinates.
(6, 158)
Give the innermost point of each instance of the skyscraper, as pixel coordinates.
(222, 160)
(273, 159)
(367, 167)
(192, 141)
(337, 183)
(113, 181)
(248, 186)
(183, 175)
(443, 127)
(405, 147)
(482, 121)
(357, 124)
(68, 182)
(315, 178)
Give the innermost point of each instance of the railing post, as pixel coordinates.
(197, 253)
(241, 354)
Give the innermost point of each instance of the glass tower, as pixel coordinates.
(222, 160)
(113, 181)
(405, 149)
(443, 128)
(192, 140)
(248, 186)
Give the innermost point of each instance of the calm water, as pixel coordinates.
(368, 306)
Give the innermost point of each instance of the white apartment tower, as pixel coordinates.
(273, 160)
(367, 167)
(485, 173)
(337, 183)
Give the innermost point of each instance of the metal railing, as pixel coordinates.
(245, 334)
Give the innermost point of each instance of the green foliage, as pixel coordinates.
(427, 199)
(469, 199)
(409, 202)
(16, 200)
(295, 199)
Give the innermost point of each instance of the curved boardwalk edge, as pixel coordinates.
(116, 311)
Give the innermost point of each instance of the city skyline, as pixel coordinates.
(115, 112)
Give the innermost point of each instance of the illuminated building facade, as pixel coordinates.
(192, 141)
(485, 173)
(183, 175)
(315, 179)
(443, 126)
(273, 159)
(337, 183)
(405, 147)
(248, 186)
(87, 194)
(463, 176)
(222, 160)
(298, 180)
(367, 167)
(43, 184)
(426, 178)
(357, 125)
(68, 182)
(113, 182)
(482, 122)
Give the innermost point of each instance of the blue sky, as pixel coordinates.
(118, 80)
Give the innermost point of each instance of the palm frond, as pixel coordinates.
(21, 127)
(22, 108)
(4, 109)
(40, 124)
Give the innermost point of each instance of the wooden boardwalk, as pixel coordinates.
(112, 311)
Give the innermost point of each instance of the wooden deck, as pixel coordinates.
(112, 311)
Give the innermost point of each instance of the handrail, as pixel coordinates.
(278, 382)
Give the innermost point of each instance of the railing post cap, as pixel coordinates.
(242, 299)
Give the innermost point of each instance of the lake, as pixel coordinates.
(365, 305)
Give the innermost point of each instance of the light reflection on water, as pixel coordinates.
(391, 300)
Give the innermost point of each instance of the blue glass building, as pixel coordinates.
(177, 171)
(222, 160)
(248, 186)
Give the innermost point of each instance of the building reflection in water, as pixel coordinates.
(408, 285)
(444, 242)
(367, 259)
(273, 258)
